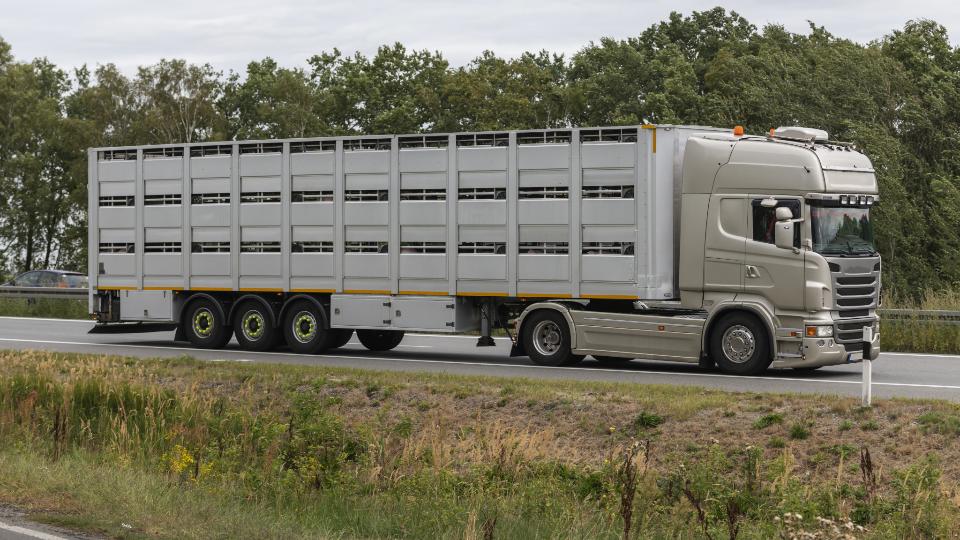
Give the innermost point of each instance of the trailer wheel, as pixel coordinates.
(339, 337)
(304, 328)
(612, 360)
(739, 344)
(546, 338)
(380, 340)
(205, 326)
(253, 328)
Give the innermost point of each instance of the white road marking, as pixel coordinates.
(29, 532)
(517, 366)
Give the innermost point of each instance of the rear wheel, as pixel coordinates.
(304, 328)
(205, 326)
(739, 344)
(380, 340)
(546, 338)
(339, 337)
(253, 327)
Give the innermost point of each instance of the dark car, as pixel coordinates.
(49, 278)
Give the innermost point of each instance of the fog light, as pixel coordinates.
(820, 343)
(819, 331)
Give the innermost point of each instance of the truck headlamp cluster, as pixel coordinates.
(819, 331)
(856, 199)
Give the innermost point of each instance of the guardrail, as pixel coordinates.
(42, 292)
(937, 316)
(926, 315)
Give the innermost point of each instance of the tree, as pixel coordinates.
(179, 101)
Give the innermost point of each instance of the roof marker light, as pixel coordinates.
(738, 131)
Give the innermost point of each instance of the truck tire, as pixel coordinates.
(304, 328)
(612, 360)
(253, 327)
(380, 340)
(546, 338)
(339, 337)
(205, 325)
(739, 344)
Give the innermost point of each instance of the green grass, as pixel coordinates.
(186, 449)
(916, 335)
(768, 420)
(53, 308)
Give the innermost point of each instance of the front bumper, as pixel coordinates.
(818, 352)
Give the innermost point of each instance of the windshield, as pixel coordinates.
(842, 231)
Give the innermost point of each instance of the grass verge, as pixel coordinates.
(186, 449)
(53, 308)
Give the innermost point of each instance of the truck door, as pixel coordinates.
(771, 272)
(723, 255)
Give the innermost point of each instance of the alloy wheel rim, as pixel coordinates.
(738, 344)
(304, 327)
(203, 322)
(547, 338)
(252, 325)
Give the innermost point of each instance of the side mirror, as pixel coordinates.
(783, 213)
(783, 233)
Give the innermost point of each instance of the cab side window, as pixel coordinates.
(765, 219)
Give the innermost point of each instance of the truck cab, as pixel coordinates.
(787, 237)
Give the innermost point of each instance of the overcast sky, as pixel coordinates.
(228, 34)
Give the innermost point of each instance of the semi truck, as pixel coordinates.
(662, 242)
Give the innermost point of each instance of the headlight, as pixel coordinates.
(819, 331)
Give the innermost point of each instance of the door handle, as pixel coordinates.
(752, 271)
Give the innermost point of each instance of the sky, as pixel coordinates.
(228, 34)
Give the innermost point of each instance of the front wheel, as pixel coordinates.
(739, 344)
(546, 337)
(380, 340)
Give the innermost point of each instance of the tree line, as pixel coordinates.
(897, 98)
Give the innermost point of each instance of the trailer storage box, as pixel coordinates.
(573, 213)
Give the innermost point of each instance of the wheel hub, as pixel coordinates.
(253, 325)
(304, 327)
(203, 322)
(547, 338)
(738, 344)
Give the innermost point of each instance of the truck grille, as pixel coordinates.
(854, 296)
(851, 332)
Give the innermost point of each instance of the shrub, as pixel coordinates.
(768, 420)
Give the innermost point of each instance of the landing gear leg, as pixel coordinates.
(487, 312)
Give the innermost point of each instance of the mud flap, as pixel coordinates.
(517, 350)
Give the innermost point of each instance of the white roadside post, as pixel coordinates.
(867, 391)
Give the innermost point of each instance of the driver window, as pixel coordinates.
(765, 219)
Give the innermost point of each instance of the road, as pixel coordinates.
(894, 374)
(13, 526)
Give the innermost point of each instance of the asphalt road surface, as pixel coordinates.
(13, 526)
(894, 374)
